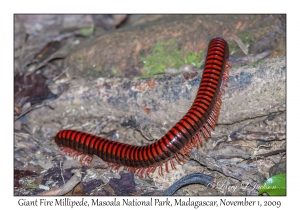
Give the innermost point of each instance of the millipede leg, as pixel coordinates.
(200, 138)
(86, 160)
(166, 164)
(206, 135)
(178, 159)
(160, 172)
(172, 164)
(207, 128)
(140, 172)
(211, 123)
(195, 141)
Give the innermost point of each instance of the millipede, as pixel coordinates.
(175, 145)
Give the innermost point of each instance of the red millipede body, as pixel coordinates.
(180, 139)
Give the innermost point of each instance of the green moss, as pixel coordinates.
(32, 186)
(194, 58)
(247, 38)
(79, 59)
(64, 121)
(92, 72)
(167, 55)
(256, 63)
(87, 31)
(114, 71)
(233, 47)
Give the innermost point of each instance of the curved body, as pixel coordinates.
(195, 125)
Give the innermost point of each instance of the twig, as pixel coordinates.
(242, 46)
(59, 54)
(75, 179)
(61, 172)
(58, 76)
(223, 139)
(36, 106)
(236, 172)
(260, 156)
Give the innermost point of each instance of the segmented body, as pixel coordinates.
(195, 125)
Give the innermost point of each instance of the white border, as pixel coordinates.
(153, 6)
